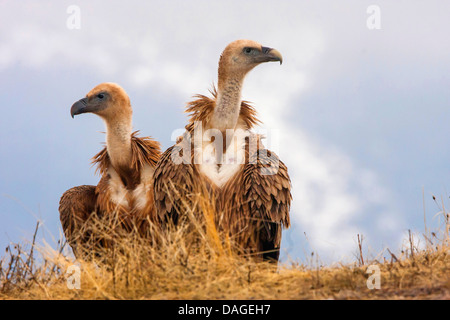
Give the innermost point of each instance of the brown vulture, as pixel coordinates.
(248, 186)
(126, 166)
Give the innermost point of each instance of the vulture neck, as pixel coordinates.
(228, 103)
(118, 143)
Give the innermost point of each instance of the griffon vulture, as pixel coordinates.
(248, 185)
(126, 165)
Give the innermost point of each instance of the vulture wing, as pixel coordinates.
(173, 184)
(75, 207)
(256, 203)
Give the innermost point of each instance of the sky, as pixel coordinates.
(358, 111)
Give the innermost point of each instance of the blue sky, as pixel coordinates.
(360, 115)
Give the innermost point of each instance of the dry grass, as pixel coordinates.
(196, 262)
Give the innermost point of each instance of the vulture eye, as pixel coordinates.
(248, 50)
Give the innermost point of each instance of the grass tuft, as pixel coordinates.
(196, 261)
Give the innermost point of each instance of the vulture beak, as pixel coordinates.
(79, 107)
(270, 54)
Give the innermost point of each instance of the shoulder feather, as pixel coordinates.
(145, 151)
(202, 107)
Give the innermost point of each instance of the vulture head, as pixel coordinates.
(107, 100)
(241, 56)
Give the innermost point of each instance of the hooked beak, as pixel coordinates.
(270, 54)
(79, 107)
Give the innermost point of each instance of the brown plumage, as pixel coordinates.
(251, 205)
(126, 165)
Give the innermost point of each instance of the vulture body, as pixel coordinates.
(248, 186)
(124, 194)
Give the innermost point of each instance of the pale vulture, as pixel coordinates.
(246, 184)
(126, 165)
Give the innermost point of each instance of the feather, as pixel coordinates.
(145, 151)
(75, 207)
(201, 109)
